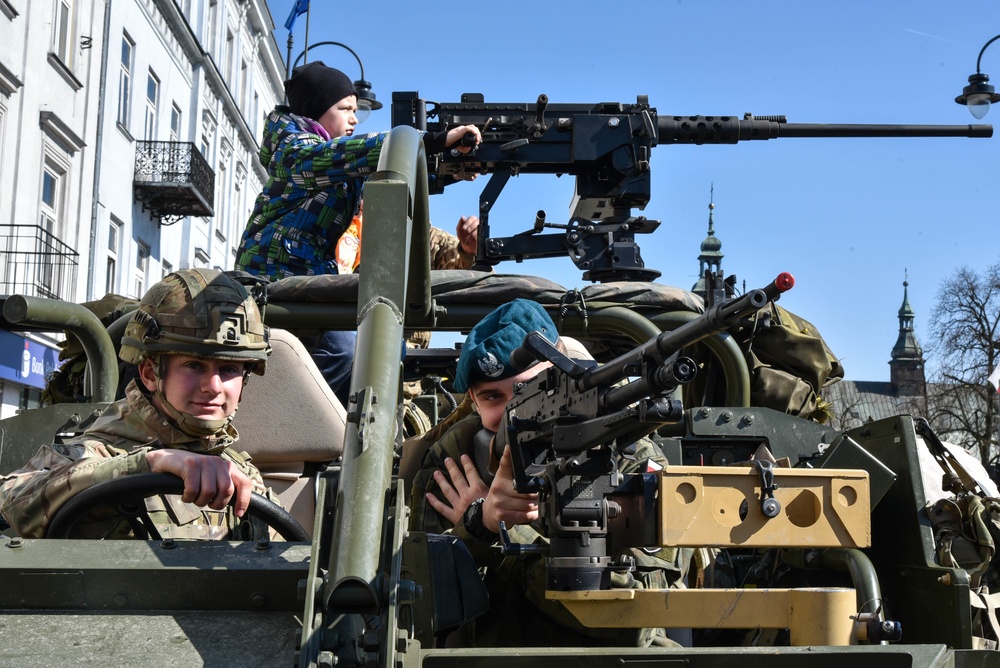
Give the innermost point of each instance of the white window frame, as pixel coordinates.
(62, 31)
(141, 269)
(152, 105)
(230, 57)
(50, 213)
(115, 228)
(213, 25)
(125, 80)
(176, 119)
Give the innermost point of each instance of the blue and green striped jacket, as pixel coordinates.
(313, 190)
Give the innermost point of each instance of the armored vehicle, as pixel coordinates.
(823, 547)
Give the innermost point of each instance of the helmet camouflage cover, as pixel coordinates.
(199, 312)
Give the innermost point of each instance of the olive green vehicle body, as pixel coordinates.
(365, 590)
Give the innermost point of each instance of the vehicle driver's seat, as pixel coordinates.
(290, 422)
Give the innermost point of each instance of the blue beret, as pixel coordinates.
(486, 353)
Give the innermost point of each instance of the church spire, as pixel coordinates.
(906, 368)
(710, 258)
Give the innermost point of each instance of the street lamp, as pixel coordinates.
(979, 94)
(366, 98)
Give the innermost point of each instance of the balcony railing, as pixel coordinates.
(173, 180)
(34, 262)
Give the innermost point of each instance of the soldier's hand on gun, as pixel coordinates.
(505, 504)
(460, 488)
(466, 231)
(208, 480)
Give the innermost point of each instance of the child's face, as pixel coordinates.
(340, 119)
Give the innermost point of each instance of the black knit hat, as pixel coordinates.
(314, 88)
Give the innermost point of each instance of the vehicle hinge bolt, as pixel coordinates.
(168, 543)
(727, 416)
(15, 541)
(704, 412)
(747, 419)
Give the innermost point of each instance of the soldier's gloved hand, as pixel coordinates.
(504, 503)
(460, 487)
(209, 480)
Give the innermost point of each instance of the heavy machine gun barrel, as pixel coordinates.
(730, 130)
(607, 147)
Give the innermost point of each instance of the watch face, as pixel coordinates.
(473, 520)
(469, 517)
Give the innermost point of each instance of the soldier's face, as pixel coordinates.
(491, 397)
(340, 119)
(204, 388)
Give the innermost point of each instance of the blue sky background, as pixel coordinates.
(847, 217)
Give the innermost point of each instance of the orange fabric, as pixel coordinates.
(349, 247)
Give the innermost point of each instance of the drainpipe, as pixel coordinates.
(98, 150)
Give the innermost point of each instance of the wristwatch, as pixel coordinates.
(473, 521)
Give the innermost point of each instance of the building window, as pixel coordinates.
(230, 58)
(175, 122)
(62, 31)
(243, 94)
(254, 120)
(152, 96)
(49, 217)
(141, 269)
(213, 24)
(114, 249)
(125, 80)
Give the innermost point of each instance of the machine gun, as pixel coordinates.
(607, 147)
(563, 427)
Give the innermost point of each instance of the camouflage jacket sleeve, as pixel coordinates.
(454, 443)
(446, 251)
(30, 496)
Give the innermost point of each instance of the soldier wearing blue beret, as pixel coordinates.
(463, 488)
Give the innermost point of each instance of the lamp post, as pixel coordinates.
(366, 98)
(979, 94)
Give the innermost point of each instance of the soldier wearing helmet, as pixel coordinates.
(195, 338)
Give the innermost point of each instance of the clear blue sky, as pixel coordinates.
(847, 217)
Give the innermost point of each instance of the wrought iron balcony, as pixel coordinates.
(173, 180)
(34, 262)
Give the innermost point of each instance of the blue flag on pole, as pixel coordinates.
(300, 7)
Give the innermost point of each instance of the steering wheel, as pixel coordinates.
(126, 494)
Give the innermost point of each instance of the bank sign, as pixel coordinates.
(24, 361)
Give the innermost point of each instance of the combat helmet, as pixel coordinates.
(203, 313)
(198, 312)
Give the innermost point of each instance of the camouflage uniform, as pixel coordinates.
(446, 253)
(116, 445)
(519, 614)
(202, 313)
